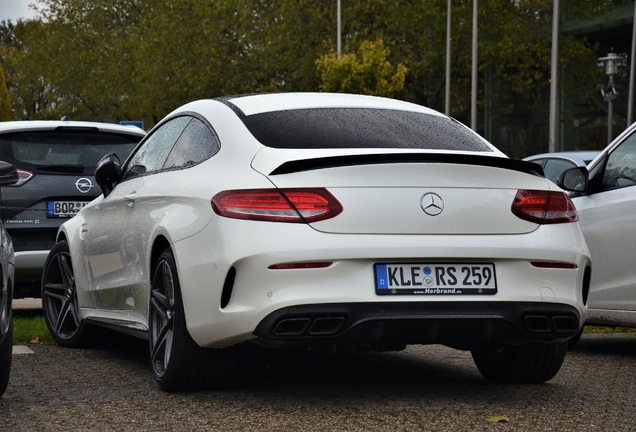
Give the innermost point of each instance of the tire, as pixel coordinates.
(575, 339)
(6, 354)
(59, 300)
(530, 363)
(178, 363)
(6, 334)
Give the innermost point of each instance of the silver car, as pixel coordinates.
(605, 196)
(554, 164)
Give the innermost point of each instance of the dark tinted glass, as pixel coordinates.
(361, 128)
(152, 154)
(196, 144)
(57, 150)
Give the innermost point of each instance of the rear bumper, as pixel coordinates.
(461, 325)
(231, 294)
(28, 273)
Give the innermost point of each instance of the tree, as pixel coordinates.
(27, 66)
(139, 59)
(89, 46)
(368, 72)
(5, 103)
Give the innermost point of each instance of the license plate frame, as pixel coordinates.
(432, 278)
(64, 208)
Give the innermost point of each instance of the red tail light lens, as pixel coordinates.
(23, 177)
(277, 205)
(544, 207)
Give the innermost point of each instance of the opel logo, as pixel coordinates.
(83, 185)
(432, 204)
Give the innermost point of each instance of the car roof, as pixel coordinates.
(37, 125)
(582, 157)
(261, 103)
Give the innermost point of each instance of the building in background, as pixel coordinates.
(583, 121)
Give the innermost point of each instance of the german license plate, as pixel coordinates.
(64, 209)
(435, 279)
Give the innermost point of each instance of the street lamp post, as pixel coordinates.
(609, 92)
(339, 24)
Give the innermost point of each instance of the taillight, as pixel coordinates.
(544, 207)
(23, 177)
(277, 205)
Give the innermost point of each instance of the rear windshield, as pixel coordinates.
(64, 151)
(361, 128)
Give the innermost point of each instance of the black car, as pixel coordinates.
(8, 175)
(55, 161)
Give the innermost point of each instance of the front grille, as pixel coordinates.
(32, 239)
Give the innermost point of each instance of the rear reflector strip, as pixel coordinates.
(293, 266)
(554, 265)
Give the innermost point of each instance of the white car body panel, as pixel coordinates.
(257, 104)
(607, 219)
(373, 194)
(259, 291)
(112, 265)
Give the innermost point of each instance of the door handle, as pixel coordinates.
(130, 198)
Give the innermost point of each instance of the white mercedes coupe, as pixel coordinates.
(315, 219)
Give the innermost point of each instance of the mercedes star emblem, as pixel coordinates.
(432, 204)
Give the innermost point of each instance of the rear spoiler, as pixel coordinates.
(376, 159)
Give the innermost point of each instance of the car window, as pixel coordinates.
(539, 161)
(196, 144)
(361, 128)
(554, 167)
(620, 170)
(152, 154)
(64, 150)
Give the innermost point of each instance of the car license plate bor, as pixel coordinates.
(64, 209)
(435, 279)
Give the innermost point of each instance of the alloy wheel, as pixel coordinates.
(59, 296)
(162, 310)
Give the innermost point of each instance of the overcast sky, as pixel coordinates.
(14, 9)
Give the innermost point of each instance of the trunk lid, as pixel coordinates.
(401, 193)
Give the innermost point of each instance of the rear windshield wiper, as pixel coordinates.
(75, 169)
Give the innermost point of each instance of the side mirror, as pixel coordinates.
(108, 173)
(8, 174)
(574, 179)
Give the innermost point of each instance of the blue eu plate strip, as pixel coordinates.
(381, 276)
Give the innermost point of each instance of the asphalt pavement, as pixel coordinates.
(424, 388)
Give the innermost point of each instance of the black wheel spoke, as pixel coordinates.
(162, 316)
(161, 328)
(66, 271)
(65, 313)
(54, 291)
(59, 296)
